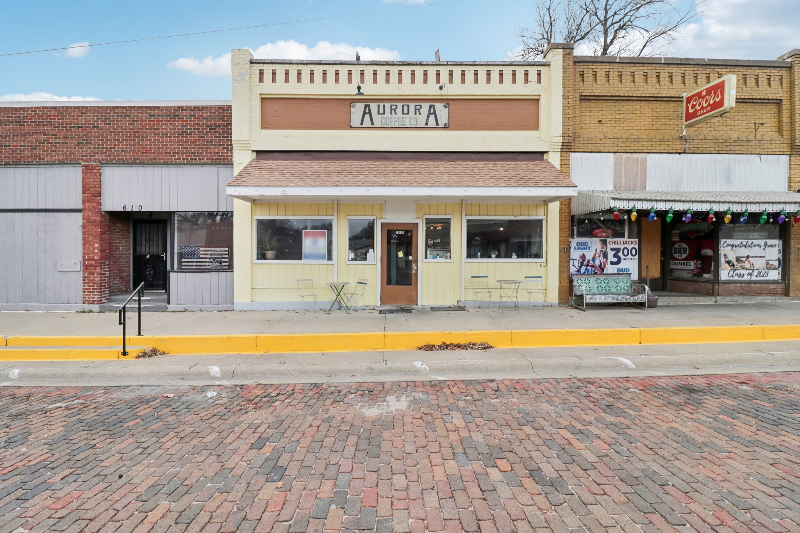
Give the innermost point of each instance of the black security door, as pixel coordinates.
(150, 254)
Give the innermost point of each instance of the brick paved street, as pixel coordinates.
(705, 453)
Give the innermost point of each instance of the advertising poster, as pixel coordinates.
(604, 256)
(750, 260)
(315, 245)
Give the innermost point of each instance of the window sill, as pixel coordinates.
(434, 261)
(289, 262)
(356, 263)
(490, 260)
(198, 271)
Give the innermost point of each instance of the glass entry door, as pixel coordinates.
(399, 264)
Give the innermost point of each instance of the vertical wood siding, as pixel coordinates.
(166, 187)
(40, 187)
(32, 246)
(201, 288)
(33, 243)
(441, 282)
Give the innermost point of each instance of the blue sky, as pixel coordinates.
(178, 68)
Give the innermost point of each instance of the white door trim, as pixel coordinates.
(416, 221)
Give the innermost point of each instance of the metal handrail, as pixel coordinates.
(123, 318)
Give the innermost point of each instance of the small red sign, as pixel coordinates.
(603, 233)
(711, 100)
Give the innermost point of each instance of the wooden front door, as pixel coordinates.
(650, 253)
(150, 254)
(399, 264)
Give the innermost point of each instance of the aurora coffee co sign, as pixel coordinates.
(398, 115)
(710, 101)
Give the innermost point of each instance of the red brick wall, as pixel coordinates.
(97, 135)
(115, 134)
(96, 282)
(119, 237)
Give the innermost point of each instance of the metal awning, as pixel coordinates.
(596, 201)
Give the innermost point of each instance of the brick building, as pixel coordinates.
(626, 148)
(96, 197)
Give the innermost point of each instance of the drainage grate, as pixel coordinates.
(394, 311)
(450, 308)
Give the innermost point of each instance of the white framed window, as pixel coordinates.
(293, 239)
(361, 240)
(499, 238)
(438, 238)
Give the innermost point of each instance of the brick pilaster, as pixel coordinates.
(793, 240)
(120, 253)
(96, 257)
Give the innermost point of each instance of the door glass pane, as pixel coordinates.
(399, 257)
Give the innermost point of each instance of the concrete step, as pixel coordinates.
(146, 308)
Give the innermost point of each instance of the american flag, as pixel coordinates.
(203, 257)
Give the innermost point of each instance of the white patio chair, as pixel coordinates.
(354, 298)
(534, 287)
(305, 290)
(481, 290)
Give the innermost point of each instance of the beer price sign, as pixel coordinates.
(710, 101)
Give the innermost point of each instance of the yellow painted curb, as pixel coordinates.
(412, 339)
(548, 338)
(321, 342)
(702, 335)
(63, 354)
(108, 347)
(199, 344)
(782, 333)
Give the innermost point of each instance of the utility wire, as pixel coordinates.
(317, 19)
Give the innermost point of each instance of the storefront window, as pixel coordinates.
(294, 239)
(437, 239)
(361, 240)
(509, 238)
(750, 252)
(692, 251)
(204, 241)
(600, 247)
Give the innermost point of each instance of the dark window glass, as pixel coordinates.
(400, 258)
(282, 239)
(504, 238)
(437, 238)
(361, 239)
(692, 250)
(204, 241)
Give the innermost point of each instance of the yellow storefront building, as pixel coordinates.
(425, 183)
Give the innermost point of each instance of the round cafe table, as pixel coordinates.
(509, 290)
(338, 294)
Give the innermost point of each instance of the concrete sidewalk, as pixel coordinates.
(292, 322)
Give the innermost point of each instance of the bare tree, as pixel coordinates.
(605, 27)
